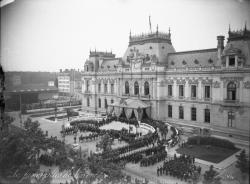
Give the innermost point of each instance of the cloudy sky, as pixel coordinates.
(46, 35)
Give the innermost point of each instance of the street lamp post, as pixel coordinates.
(20, 99)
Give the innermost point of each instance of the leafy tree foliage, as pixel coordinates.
(105, 143)
(211, 176)
(242, 162)
(19, 151)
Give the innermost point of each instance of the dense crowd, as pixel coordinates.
(181, 167)
(153, 159)
(136, 144)
(149, 156)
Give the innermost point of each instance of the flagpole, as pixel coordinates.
(150, 24)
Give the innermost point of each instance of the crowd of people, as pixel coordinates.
(148, 156)
(151, 160)
(49, 159)
(69, 130)
(182, 167)
(90, 137)
(136, 144)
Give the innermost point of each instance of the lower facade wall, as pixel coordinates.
(159, 111)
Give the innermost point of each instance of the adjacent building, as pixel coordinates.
(69, 82)
(28, 88)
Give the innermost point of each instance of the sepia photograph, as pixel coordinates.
(124, 91)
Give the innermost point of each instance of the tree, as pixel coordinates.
(105, 143)
(242, 162)
(195, 177)
(4, 124)
(19, 150)
(42, 177)
(211, 176)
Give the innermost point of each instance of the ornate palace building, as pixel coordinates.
(206, 88)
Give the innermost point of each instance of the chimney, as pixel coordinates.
(220, 44)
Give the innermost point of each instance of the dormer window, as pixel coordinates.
(184, 62)
(231, 61)
(210, 61)
(196, 61)
(172, 62)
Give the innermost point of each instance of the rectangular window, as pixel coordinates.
(99, 87)
(231, 117)
(231, 61)
(106, 103)
(105, 88)
(87, 85)
(181, 90)
(170, 90)
(193, 114)
(170, 111)
(181, 113)
(207, 92)
(193, 91)
(112, 88)
(100, 103)
(207, 115)
(88, 102)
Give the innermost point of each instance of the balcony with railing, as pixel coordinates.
(231, 102)
(138, 96)
(87, 92)
(207, 99)
(181, 97)
(193, 98)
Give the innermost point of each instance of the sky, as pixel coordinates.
(48, 35)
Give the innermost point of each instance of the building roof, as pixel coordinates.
(194, 58)
(101, 54)
(109, 64)
(150, 37)
(30, 88)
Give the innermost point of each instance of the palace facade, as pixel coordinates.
(208, 87)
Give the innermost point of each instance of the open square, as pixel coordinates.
(208, 153)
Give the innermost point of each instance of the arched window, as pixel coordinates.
(100, 103)
(146, 88)
(126, 87)
(231, 91)
(136, 88)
